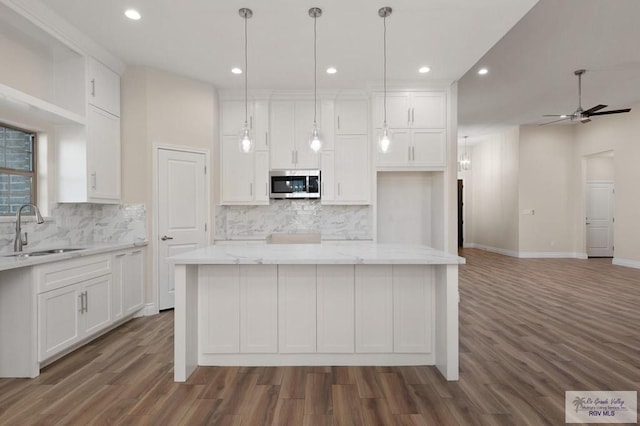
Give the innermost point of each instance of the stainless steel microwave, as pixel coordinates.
(294, 184)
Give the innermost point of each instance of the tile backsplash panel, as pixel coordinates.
(80, 224)
(293, 216)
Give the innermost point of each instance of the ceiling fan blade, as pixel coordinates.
(594, 109)
(613, 111)
(555, 121)
(556, 115)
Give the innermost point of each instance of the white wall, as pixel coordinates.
(600, 167)
(491, 186)
(159, 108)
(546, 170)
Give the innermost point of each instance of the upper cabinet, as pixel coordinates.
(291, 124)
(104, 87)
(351, 117)
(417, 122)
(41, 77)
(244, 176)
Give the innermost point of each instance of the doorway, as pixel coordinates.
(599, 205)
(182, 211)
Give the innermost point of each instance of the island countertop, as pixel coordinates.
(325, 253)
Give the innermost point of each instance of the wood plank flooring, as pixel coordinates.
(530, 329)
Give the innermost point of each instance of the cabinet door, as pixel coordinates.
(297, 308)
(327, 178)
(305, 157)
(261, 125)
(335, 304)
(133, 285)
(352, 169)
(237, 172)
(399, 151)
(97, 313)
(398, 110)
(58, 320)
(232, 117)
(117, 284)
(104, 88)
(103, 156)
(261, 177)
(259, 309)
(282, 138)
(428, 110)
(219, 297)
(429, 147)
(374, 308)
(351, 117)
(413, 295)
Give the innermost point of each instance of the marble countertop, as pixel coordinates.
(326, 253)
(12, 262)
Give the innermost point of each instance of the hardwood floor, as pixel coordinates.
(530, 329)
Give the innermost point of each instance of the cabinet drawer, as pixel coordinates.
(55, 275)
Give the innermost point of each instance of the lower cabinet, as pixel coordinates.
(71, 313)
(304, 309)
(127, 296)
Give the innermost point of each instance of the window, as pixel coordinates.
(17, 169)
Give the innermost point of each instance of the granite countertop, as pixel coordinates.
(12, 262)
(326, 253)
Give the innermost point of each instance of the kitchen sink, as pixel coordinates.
(43, 252)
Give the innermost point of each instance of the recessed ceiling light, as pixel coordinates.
(563, 116)
(331, 70)
(483, 71)
(132, 14)
(236, 70)
(424, 70)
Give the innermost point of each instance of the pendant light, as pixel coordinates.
(465, 159)
(384, 140)
(315, 143)
(246, 141)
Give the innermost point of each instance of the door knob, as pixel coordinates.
(165, 238)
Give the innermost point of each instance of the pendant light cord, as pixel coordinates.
(246, 72)
(384, 49)
(315, 72)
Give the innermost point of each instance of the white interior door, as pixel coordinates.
(600, 202)
(182, 213)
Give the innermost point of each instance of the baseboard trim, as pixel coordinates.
(529, 254)
(148, 310)
(626, 262)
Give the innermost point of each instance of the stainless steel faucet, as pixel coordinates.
(19, 242)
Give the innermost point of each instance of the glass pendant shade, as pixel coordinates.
(384, 140)
(465, 161)
(246, 141)
(315, 143)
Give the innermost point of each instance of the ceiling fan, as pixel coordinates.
(579, 114)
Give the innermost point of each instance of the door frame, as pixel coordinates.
(155, 216)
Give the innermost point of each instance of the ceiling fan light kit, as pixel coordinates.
(583, 116)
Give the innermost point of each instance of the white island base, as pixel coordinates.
(327, 304)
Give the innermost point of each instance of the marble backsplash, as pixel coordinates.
(293, 216)
(80, 225)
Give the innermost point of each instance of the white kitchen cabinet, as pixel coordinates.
(345, 171)
(351, 117)
(405, 110)
(127, 295)
(335, 304)
(259, 309)
(249, 324)
(374, 308)
(69, 314)
(415, 148)
(244, 176)
(232, 115)
(291, 124)
(104, 87)
(297, 308)
(413, 308)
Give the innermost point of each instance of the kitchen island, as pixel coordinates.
(342, 303)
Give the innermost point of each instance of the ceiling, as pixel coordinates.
(531, 67)
(203, 39)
